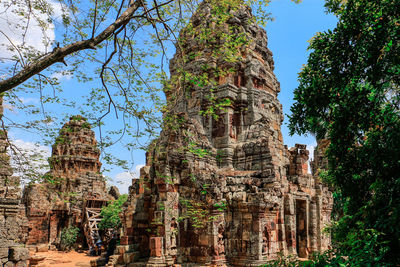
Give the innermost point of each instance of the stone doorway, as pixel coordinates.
(301, 228)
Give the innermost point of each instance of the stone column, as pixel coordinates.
(171, 216)
(218, 238)
(157, 258)
(290, 225)
(313, 221)
(262, 240)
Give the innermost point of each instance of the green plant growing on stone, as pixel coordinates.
(221, 205)
(68, 237)
(193, 177)
(195, 150)
(196, 211)
(204, 189)
(77, 118)
(166, 178)
(53, 180)
(68, 197)
(86, 125)
(220, 154)
(284, 261)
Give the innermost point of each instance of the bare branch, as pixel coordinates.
(94, 19)
(58, 54)
(16, 48)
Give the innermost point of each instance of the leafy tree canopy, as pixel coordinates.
(349, 94)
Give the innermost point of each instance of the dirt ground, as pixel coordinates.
(63, 259)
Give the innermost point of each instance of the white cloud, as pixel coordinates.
(24, 100)
(29, 160)
(33, 147)
(30, 100)
(14, 24)
(311, 148)
(124, 179)
(9, 107)
(65, 75)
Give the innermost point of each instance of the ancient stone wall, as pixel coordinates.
(221, 189)
(320, 161)
(12, 213)
(73, 178)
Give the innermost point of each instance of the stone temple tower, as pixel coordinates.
(75, 160)
(220, 188)
(73, 179)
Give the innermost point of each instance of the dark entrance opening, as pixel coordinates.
(301, 228)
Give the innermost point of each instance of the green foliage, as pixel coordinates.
(166, 178)
(283, 261)
(110, 213)
(77, 118)
(361, 248)
(349, 93)
(60, 140)
(195, 150)
(68, 237)
(86, 125)
(220, 154)
(221, 205)
(196, 211)
(53, 180)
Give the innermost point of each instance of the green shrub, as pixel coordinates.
(360, 248)
(110, 214)
(282, 261)
(68, 237)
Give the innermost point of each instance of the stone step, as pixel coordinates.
(113, 260)
(5, 201)
(137, 264)
(129, 257)
(121, 249)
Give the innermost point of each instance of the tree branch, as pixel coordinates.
(58, 54)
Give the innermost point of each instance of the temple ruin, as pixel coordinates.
(219, 187)
(73, 190)
(222, 189)
(12, 213)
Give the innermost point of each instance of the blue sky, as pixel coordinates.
(288, 34)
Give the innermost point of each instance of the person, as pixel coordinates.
(111, 246)
(92, 251)
(99, 245)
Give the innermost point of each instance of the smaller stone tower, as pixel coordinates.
(73, 179)
(75, 160)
